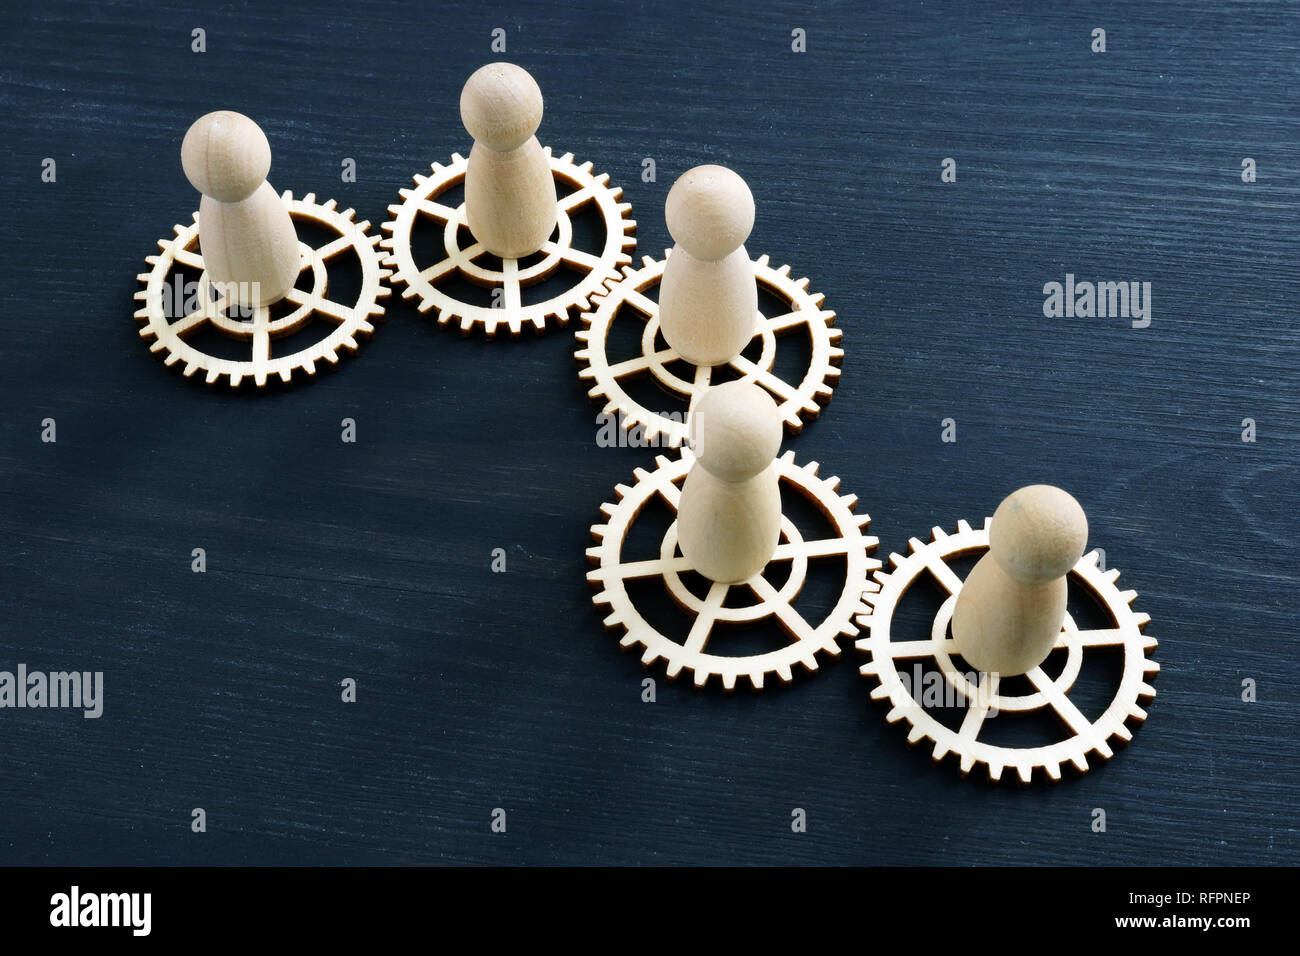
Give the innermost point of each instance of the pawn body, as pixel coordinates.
(707, 309)
(1011, 607)
(708, 298)
(246, 236)
(729, 514)
(510, 199)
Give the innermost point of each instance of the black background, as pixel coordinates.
(371, 560)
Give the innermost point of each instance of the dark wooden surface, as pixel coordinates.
(371, 560)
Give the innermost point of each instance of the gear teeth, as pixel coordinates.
(1128, 597)
(728, 682)
(963, 526)
(1053, 771)
(938, 534)
(763, 261)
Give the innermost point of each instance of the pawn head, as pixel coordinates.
(226, 156)
(1038, 534)
(501, 106)
(710, 212)
(735, 431)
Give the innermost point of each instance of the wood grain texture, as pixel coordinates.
(372, 560)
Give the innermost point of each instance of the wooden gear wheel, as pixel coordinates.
(807, 639)
(577, 188)
(347, 324)
(983, 700)
(797, 401)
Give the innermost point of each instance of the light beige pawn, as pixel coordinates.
(729, 516)
(510, 202)
(708, 300)
(1011, 607)
(249, 246)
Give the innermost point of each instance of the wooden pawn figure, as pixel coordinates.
(729, 515)
(1011, 607)
(510, 202)
(247, 239)
(708, 298)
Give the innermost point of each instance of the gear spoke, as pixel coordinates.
(577, 257)
(640, 302)
(577, 198)
(777, 386)
(182, 327)
(1106, 637)
(334, 247)
(779, 323)
(1066, 710)
(698, 638)
(630, 570)
(334, 310)
(944, 575)
(641, 363)
(905, 649)
(977, 710)
(439, 269)
(187, 257)
(823, 548)
(786, 614)
(438, 211)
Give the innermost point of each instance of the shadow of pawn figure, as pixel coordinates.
(510, 199)
(708, 299)
(729, 514)
(246, 237)
(1012, 605)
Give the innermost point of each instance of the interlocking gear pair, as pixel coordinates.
(870, 602)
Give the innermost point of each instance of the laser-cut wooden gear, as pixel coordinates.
(168, 337)
(421, 281)
(808, 640)
(1085, 736)
(797, 402)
